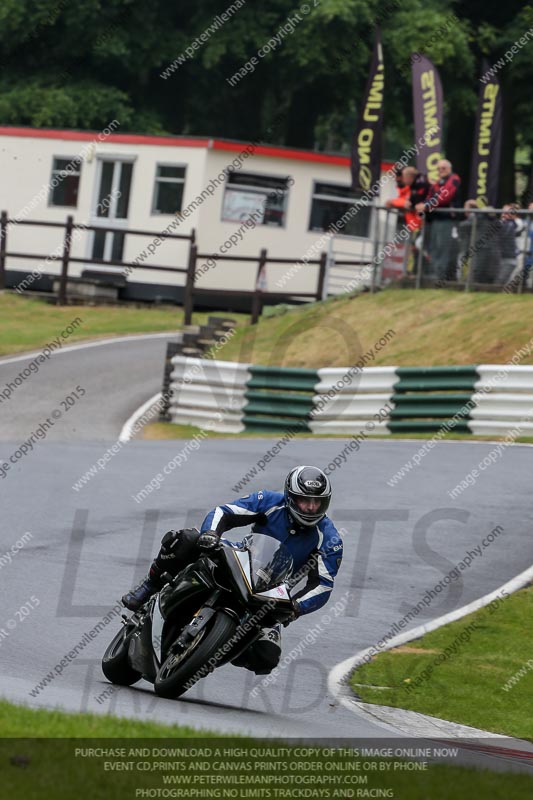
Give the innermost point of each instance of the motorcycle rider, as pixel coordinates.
(296, 517)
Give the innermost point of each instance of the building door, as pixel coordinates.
(111, 208)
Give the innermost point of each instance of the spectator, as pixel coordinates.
(418, 186)
(402, 190)
(413, 188)
(464, 230)
(510, 227)
(443, 194)
(528, 260)
(479, 256)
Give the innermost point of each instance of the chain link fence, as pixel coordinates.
(489, 249)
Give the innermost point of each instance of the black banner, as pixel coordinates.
(427, 112)
(366, 148)
(485, 167)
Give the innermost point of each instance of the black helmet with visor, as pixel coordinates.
(307, 495)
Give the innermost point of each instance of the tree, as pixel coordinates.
(183, 68)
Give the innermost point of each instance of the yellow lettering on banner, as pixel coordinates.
(481, 189)
(486, 122)
(427, 80)
(431, 166)
(365, 177)
(364, 142)
(431, 122)
(487, 118)
(375, 94)
(367, 116)
(429, 100)
(429, 109)
(491, 91)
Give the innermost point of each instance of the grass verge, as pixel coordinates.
(16, 721)
(431, 327)
(29, 324)
(168, 430)
(473, 671)
(148, 760)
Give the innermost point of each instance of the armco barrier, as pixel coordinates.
(345, 380)
(425, 398)
(503, 400)
(208, 394)
(196, 340)
(232, 397)
(347, 398)
(278, 398)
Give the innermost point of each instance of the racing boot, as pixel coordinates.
(139, 595)
(263, 655)
(178, 548)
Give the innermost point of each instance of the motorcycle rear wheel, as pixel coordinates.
(179, 673)
(115, 664)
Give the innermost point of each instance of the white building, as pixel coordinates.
(238, 197)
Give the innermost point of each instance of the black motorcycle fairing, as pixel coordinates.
(223, 601)
(190, 582)
(236, 571)
(140, 651)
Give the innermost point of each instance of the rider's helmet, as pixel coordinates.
(307, 495)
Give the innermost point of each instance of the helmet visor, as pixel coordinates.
(308, 509)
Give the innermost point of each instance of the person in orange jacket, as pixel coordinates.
(412, 189)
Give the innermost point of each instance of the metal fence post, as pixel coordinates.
(62, 299)
(3, 248)
(321, 276)
(189, 285)
(376, 251)
(420, 258)
(472, 251)
(528, 255)
(257, 300)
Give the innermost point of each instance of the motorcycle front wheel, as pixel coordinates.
(179, 672)
(115, 664)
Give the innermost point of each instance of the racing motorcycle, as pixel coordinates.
(204, 617)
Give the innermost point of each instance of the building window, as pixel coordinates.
(258, 197)
(168, 190)
(330, 202)
(65, 182)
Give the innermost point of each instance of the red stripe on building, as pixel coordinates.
(116, 138)
(269, 151)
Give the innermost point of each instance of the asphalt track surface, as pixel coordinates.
(88, 546)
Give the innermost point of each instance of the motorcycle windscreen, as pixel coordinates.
(270, 561)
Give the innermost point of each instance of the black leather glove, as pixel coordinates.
(208, 540)
(296, 611)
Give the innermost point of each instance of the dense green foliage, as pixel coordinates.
(81, 63)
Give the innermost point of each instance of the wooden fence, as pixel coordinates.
(192, 293)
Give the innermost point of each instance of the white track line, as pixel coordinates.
(128, 428)
(98, 343)
(339, 675)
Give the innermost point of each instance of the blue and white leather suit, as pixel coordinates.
(318, 548)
